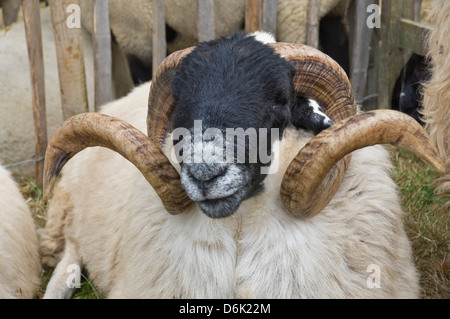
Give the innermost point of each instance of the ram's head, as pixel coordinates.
(232, 83)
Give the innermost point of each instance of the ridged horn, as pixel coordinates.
(160, 100)
(95, 129)
(306, 177)
(319, 77)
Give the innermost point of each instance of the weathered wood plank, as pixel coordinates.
(417, 10)
(158, 35)
(31, 16)
(312, 29)
(252, 8)
(360, 40)
(261, 15)
(102, 54)
(70, 58)
(392, 56)
(205, 20)
(413, 35)
(268, 16)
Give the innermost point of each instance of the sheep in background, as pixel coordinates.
(270, 242)
(20, 265)
(436, 94)
(131, 25)
(10, 11)
(406, 96)
(16, 122)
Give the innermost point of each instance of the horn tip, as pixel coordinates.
(47, 189)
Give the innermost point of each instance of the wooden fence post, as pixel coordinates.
(360, 40)
(31, 16)
(261, 15)
(391, 55)
(312, 33)
(268, 16)
(205, 20)
(70, 57)
(158, 35)
(252, 8)
(102, 53)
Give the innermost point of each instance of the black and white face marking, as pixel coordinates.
(218, 188)
(307, 114)
(216, 180)
(236, 83)
(230, 83)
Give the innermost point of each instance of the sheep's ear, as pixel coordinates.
(308, 115)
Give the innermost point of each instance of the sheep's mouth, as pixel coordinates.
(218, 189)
(222, 207)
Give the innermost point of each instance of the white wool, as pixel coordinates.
(264, 37)
(19, 259)
(105, 216)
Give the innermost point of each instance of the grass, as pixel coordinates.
(427, 223)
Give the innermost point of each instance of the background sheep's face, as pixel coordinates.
(236, 84)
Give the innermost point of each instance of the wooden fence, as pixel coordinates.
(399, 34)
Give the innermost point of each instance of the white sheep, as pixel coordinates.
(19, 257)
(105, 216)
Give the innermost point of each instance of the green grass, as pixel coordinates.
(427, 223)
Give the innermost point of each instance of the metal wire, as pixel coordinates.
(30, 160)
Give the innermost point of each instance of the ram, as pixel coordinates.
(315, 224)
(19, 257)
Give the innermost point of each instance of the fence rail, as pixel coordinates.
(400, 33)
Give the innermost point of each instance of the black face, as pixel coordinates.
(233, 95)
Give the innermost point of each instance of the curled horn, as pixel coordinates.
(319, 77)
(95, 129)
(315, 174)
(309, 182)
